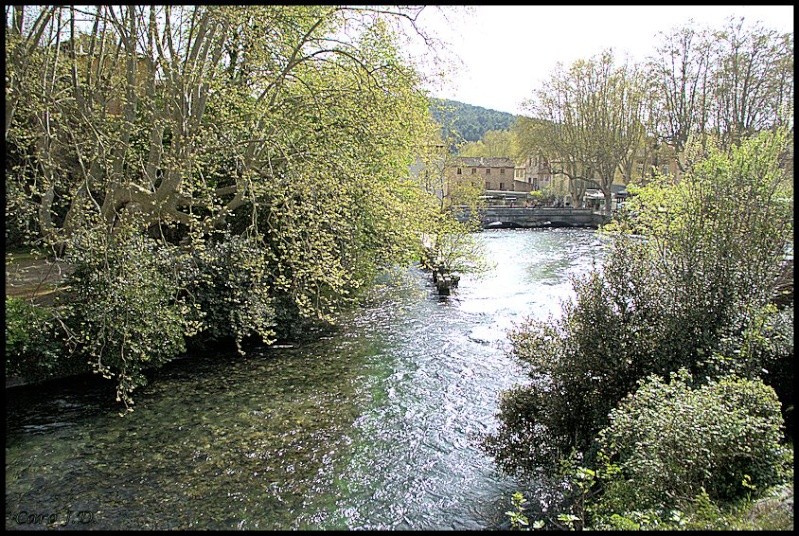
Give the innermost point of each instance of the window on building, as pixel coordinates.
(529, 180)
(474, 170)
(501, 185)
(488, 171)
(488, 185)
(501, 171)
(459, 171)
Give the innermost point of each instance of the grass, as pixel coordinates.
(772, 512)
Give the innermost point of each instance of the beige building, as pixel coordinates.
(489, 173)
(662, 160)
(536, 173)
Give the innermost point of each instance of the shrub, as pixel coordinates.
(618, 329)
(672, 441)
(227, 280)
(123, 308)
(764, 349)
(34, 347)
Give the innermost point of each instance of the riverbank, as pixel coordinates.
(36, 281)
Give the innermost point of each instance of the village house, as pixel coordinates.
(502, 174)
(536, 172)
(499, 178)
(491, 173)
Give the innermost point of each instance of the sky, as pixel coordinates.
(523, 44)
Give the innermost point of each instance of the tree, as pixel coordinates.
(727, 84)
(449, 242)
(131, 115)
(495, 143)
(433, 160)
(270, 144)
(752, 81)
(292, 123)
(681, 75)
(591, 121)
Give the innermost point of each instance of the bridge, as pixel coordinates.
(509, 217)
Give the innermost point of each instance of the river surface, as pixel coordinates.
(375, 427)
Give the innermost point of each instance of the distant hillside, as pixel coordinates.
(469, 122)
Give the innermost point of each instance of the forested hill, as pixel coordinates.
(469, 121)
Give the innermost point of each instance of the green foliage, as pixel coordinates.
(469, 122)
(719, 236)
(34, 347)
(458, 251)
(774, 512)
(582, 487)
(672, 440)
(297, 140)
(765, 349)
(123, 307)
(694, 287)
(699, 72)
(323, 106)
(227, 281)
(519, 444)
(584, 362)
(545, 197)
(518, 520)
(569, 520)
(494, 143)
(589, 119)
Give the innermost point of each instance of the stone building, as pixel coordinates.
(492, 173)
(536, 172)
(489, 173)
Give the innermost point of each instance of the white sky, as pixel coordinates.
(522, 44)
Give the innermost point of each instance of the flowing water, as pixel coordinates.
(375, 427)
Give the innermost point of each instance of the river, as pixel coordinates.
(374, 427)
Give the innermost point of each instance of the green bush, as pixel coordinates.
(764, 349)
(672, 441)
(622, 325)
(227, 280)
(34, 345)
(522, 442)
(124, 308)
